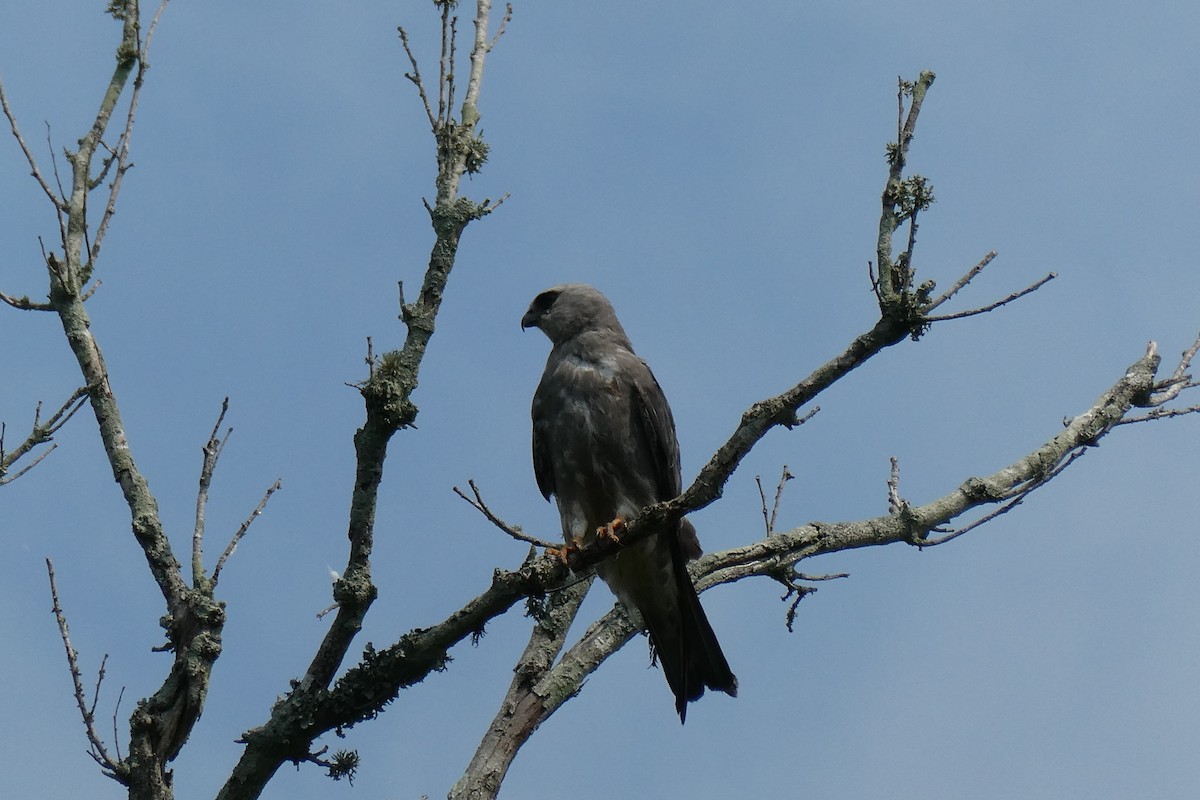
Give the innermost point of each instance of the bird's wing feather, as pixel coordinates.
(657, 429)
(543, 465)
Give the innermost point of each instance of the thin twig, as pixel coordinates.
(445, 61)
(41, 433)
(415, 77)
(449, 78)
(512, 530)
(58, 202)
(874, 280)
(762, 496)
(487, 206)
(99, 680)
(784, 477)
(508, 11)
(993, 306)
(66, 410)
(954, 534)
(1161, 413)
(212, 452)
(1017, 497)
(241, 531)
(768, 517)
(961, 282)
(912, 237)
(803, 576)
(10, 478)
(153, 26)
(58, 209)
(24, 303)
(792, 582)
(96, 284)
(116, 735)
(96, 750)
(121, 152)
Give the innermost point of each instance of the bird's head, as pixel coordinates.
(566, 311)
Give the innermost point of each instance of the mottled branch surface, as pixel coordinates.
(313, 706)
(193, 620)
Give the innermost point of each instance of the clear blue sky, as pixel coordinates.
(716, 171)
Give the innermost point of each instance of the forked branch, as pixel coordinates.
(111, 767)
(42, 432)
(779, 553)
(514, 531)
(314, 705)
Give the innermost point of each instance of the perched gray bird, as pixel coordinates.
(604, 445)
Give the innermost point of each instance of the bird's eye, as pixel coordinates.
(546, 299)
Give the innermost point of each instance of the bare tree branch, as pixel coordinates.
(898, 201)
(1162, 413)
(111, 767)
(966, 278)
(508, 12)
(777, 555)
(545, 675)
(242, 529)
(59, 208)
(212, 451)
(1033, 287)
(762, 496)
(895, 502)
(1167, 390)
(116, 735)
(193, 620)
(24, 303)
(446, 62)
(55, 199)
(415, 77)
(1017, 495)
(387, 392)
(512, 530)
(42, 433)
(769, 517)
(528, 698)
(409, 660)
(121, 152)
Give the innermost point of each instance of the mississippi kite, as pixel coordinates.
(604, 445)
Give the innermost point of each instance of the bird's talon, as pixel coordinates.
(563, 553)
(611, 530)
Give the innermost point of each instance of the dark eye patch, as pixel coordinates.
(546, 299)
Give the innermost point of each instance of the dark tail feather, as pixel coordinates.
(688, 649)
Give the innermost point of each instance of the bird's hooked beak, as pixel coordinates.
(530, 320)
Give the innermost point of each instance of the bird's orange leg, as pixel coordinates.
(562, 553)
(612, 530)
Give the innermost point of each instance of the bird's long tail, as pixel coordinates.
(686, 645)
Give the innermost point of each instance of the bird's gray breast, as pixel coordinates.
(601, 465)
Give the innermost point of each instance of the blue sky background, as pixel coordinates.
(716, 171)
